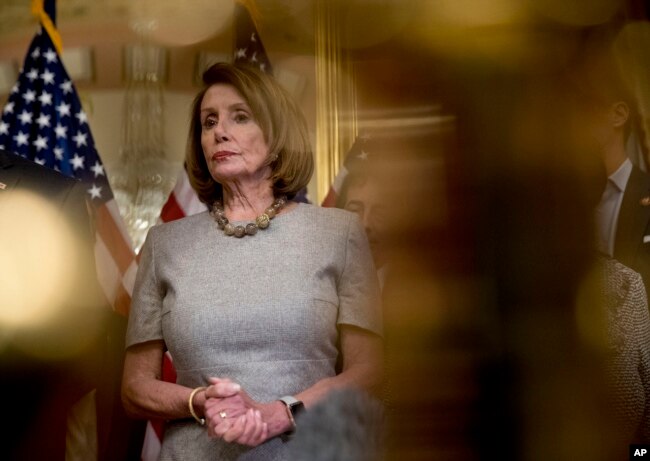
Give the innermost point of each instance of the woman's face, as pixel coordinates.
(233, 143)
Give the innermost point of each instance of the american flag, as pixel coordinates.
(357, 154)
(183, 201)
(43, 121)
(248, 48)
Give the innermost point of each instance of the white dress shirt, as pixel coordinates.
(609, 207)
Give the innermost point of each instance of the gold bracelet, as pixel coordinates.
(201, 421)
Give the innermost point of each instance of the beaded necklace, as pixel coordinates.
(261, 222)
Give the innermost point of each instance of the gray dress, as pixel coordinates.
(262, 310)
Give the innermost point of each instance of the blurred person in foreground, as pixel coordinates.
(52, 314)
(251, 297)
(605, 114)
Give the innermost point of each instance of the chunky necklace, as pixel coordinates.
(261, 222)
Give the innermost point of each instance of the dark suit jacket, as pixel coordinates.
(83, 343)
(633, 225)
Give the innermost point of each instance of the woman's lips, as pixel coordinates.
(222, 155)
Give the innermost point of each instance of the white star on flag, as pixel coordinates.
(60, 130)
(25, 117)
(48, 77)
(58, 153)
(240, 53)
(36, 53)
(63, 109)
(50, 55)
(77, 162)
(21, 138)
(80, 139)
(9, 108)
(40, 161)
(45, 98)
(95, 192)
(4, 128)
(66, 86)
(32, 75)
(82, 117)
(40, 143)
(43, 120)
(98, 169)
(29, 96)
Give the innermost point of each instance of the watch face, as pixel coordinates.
(296, 407)
(294, 404)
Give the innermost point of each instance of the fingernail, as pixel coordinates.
(236, 387)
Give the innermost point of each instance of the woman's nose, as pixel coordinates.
(220, 132)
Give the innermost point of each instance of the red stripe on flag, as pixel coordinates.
(112, 236)
(172, 210)
(330, 199)
(122, 302)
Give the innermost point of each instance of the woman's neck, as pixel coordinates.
(245, 202)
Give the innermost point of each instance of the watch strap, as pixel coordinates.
(293, 406)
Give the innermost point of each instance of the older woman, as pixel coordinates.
(252, 297)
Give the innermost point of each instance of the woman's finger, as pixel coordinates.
(236, 430)
(221, 388)
(256, 430)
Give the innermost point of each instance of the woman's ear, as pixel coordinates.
(619, 114)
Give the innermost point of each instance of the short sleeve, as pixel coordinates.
(146, 304)
(358, 286)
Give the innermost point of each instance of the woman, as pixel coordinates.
(251, 297)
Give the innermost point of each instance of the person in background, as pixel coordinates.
(361, 193)
(252, 297)
(627, 354)
(605, 114)
(608, 116)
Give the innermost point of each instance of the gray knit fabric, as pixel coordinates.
(260, 310)
(628, 364)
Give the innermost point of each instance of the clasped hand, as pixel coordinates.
(232, 415)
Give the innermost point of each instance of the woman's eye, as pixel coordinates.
(209, 123)
(241, 117)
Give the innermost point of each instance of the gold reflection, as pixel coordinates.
(577, 12)
(336, 117)
(50, 306)
(632, 47)
(468, 13)
(589, 304)
(180, 23)
(35, 278)
(361, 29)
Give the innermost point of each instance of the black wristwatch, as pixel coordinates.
(294, 406)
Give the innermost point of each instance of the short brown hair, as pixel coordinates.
(282, 123)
